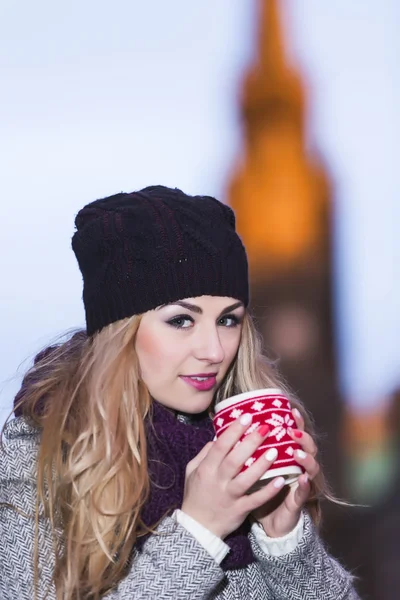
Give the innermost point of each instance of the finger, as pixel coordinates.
(243, 451)
(227, 440)
(304, 439)
(243, 482)
(197, 460)
(302, 492)
(308, 462)
(253, 501)
(298, 418)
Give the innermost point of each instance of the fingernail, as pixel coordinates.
(263, 430)
(296, 413)
(305, 479)
(271, 454)
(278, 483)
(297, 433)
(300, 453)
(245, 419)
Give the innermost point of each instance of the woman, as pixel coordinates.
(111, 483)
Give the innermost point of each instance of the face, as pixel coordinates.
(185, 350)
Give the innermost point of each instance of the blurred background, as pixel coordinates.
(288, 111)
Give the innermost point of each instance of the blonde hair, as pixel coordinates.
(87, 398)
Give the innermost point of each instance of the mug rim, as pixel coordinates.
(294, 471)
(246, 396)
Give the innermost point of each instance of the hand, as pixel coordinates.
(281, 516)
(215, 489)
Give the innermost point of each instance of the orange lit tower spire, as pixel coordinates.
(279, 193)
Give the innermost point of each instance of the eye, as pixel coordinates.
(229, 321)
(181, 322)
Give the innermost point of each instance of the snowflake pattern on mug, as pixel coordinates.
(276, 412)
(235, 414)
(258, 405)
(277, 403)
(251, 428)
(280, 425)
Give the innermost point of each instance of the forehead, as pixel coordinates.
(209, 300)
(205, 303)
(202, 304)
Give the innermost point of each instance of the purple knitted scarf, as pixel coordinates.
(171, 445)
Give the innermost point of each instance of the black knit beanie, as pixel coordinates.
(141, 250)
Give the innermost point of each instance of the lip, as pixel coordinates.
(201, 375)
(201, 386)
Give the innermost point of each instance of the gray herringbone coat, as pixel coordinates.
(173, 565)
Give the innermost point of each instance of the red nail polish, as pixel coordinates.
(298, 433)
(263, 430)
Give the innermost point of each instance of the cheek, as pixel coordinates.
(155, 355)
(231, 346)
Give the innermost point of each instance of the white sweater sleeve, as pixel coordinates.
(210, 542)
(278, 546)
(217, 548)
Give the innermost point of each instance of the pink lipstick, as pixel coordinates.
(202, 381)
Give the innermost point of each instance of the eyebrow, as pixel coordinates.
(196, 309)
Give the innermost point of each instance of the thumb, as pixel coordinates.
(195, 462)
(301, 491)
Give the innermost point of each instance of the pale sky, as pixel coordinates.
(100, 97)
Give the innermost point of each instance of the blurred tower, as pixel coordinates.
(281, 195)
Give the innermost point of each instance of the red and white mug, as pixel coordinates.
(267, 407)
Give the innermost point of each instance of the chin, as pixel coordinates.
(195, 405)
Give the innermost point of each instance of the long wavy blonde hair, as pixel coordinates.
(87, 398)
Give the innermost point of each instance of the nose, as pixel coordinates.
(208, 347)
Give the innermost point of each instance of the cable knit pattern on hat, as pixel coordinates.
(142, 250)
